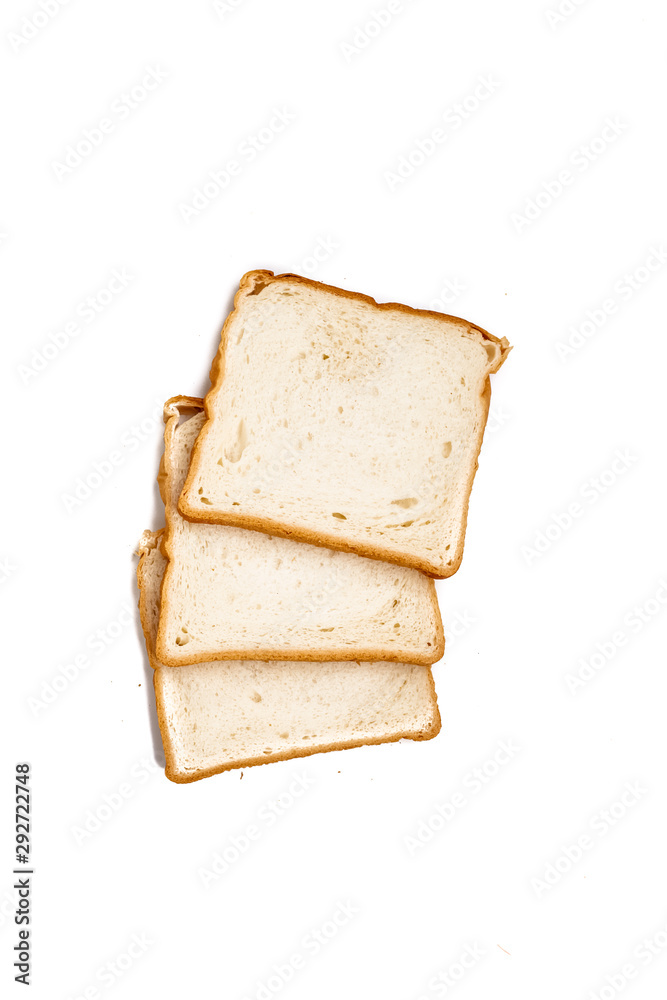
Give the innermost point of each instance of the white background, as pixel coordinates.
(555, 428)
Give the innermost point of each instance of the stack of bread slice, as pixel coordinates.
(289, 604)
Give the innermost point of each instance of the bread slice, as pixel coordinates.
(217, 716)
(338, 421)
(234, 594)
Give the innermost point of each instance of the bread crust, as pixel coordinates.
(251, 283)
(151, 540)
(175, 408)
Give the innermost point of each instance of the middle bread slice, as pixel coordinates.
(232, 594)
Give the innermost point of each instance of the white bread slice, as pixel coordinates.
(217, 716)
(234, 594)
(338, 421)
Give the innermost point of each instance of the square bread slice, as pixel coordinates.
(232, 594)
(338, 421)
(217, 716)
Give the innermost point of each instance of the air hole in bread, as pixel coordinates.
(206, 500)
(182, 640)
(256, 696)
(406, 503)
(235, 450)
(492, 351)
(446, 449)
(259, 285)
(341, 517)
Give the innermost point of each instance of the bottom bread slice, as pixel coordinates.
(236, 713)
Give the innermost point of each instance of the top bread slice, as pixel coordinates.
(218, 716)
(338, 421)
(233, 594)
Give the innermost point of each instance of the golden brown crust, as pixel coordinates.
(309, 655)
(149, 540)
(170, 768)
(259, 279)
(174, 409)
